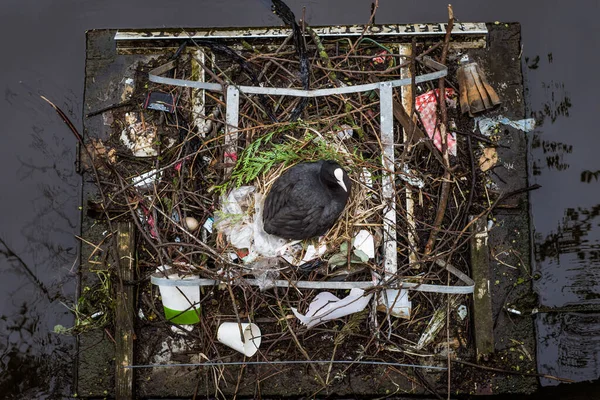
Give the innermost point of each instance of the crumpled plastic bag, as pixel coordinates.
(395, 302)
(265, 245)
(488, 125)
(265, 272)
(246, 231)
(234, 220)
(326, 306)
(295, 254)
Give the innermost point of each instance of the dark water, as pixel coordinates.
(43, 53)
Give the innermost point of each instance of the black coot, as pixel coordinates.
(306, 200)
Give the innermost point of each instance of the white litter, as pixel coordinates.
(294, 253)
(246, 231)
(364, 242)
(462, 311)
(325, 307)
(312, 252)
(264, 244)
(147, 179)
(208, 225)
(345, 133)
(488, 125)
(138, 137)
(234, 220)
(409, 177)
(396, 302)
(229, 334)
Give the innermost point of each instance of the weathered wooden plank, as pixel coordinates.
(482, 301)
(124, 311)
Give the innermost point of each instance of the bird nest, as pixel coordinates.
(364, 206)
(173, 194)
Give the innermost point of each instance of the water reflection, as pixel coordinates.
(38, 251)
(558, 103)
(568, 346)
(29, 356)
(568, 259)
(554, 154)
(567, 238)
(587, 176)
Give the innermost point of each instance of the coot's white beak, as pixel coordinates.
(339, 176)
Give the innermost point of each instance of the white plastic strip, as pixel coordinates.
(153, 76)
(231, 127)
(389, 193)
(334, 285)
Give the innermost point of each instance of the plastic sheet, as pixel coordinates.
(325, 307)
(488, 125)
(234, 220)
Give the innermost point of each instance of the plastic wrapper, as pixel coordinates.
(326, 306)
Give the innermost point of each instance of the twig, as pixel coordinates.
(108, 108)
(8, 253)
(473, 179)
(66, 120)
(448, 338)
(439, 217)
(302, 350)
(323, 55)
(516, 192)
(374, 8)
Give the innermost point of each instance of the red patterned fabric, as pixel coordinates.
(427, 106)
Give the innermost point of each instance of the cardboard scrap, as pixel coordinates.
(488, 159)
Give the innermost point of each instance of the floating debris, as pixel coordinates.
(181, 303)
(161, 102)
(409, 177)
(436, 323)
(364, 242)
(139, 137)
(146, 180)
(462, 311)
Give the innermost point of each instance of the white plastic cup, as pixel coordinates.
(181, 303)
(229, 335)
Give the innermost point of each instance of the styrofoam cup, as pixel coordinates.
(229, 335)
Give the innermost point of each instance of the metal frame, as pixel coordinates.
(467, 34)
(385, 88)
